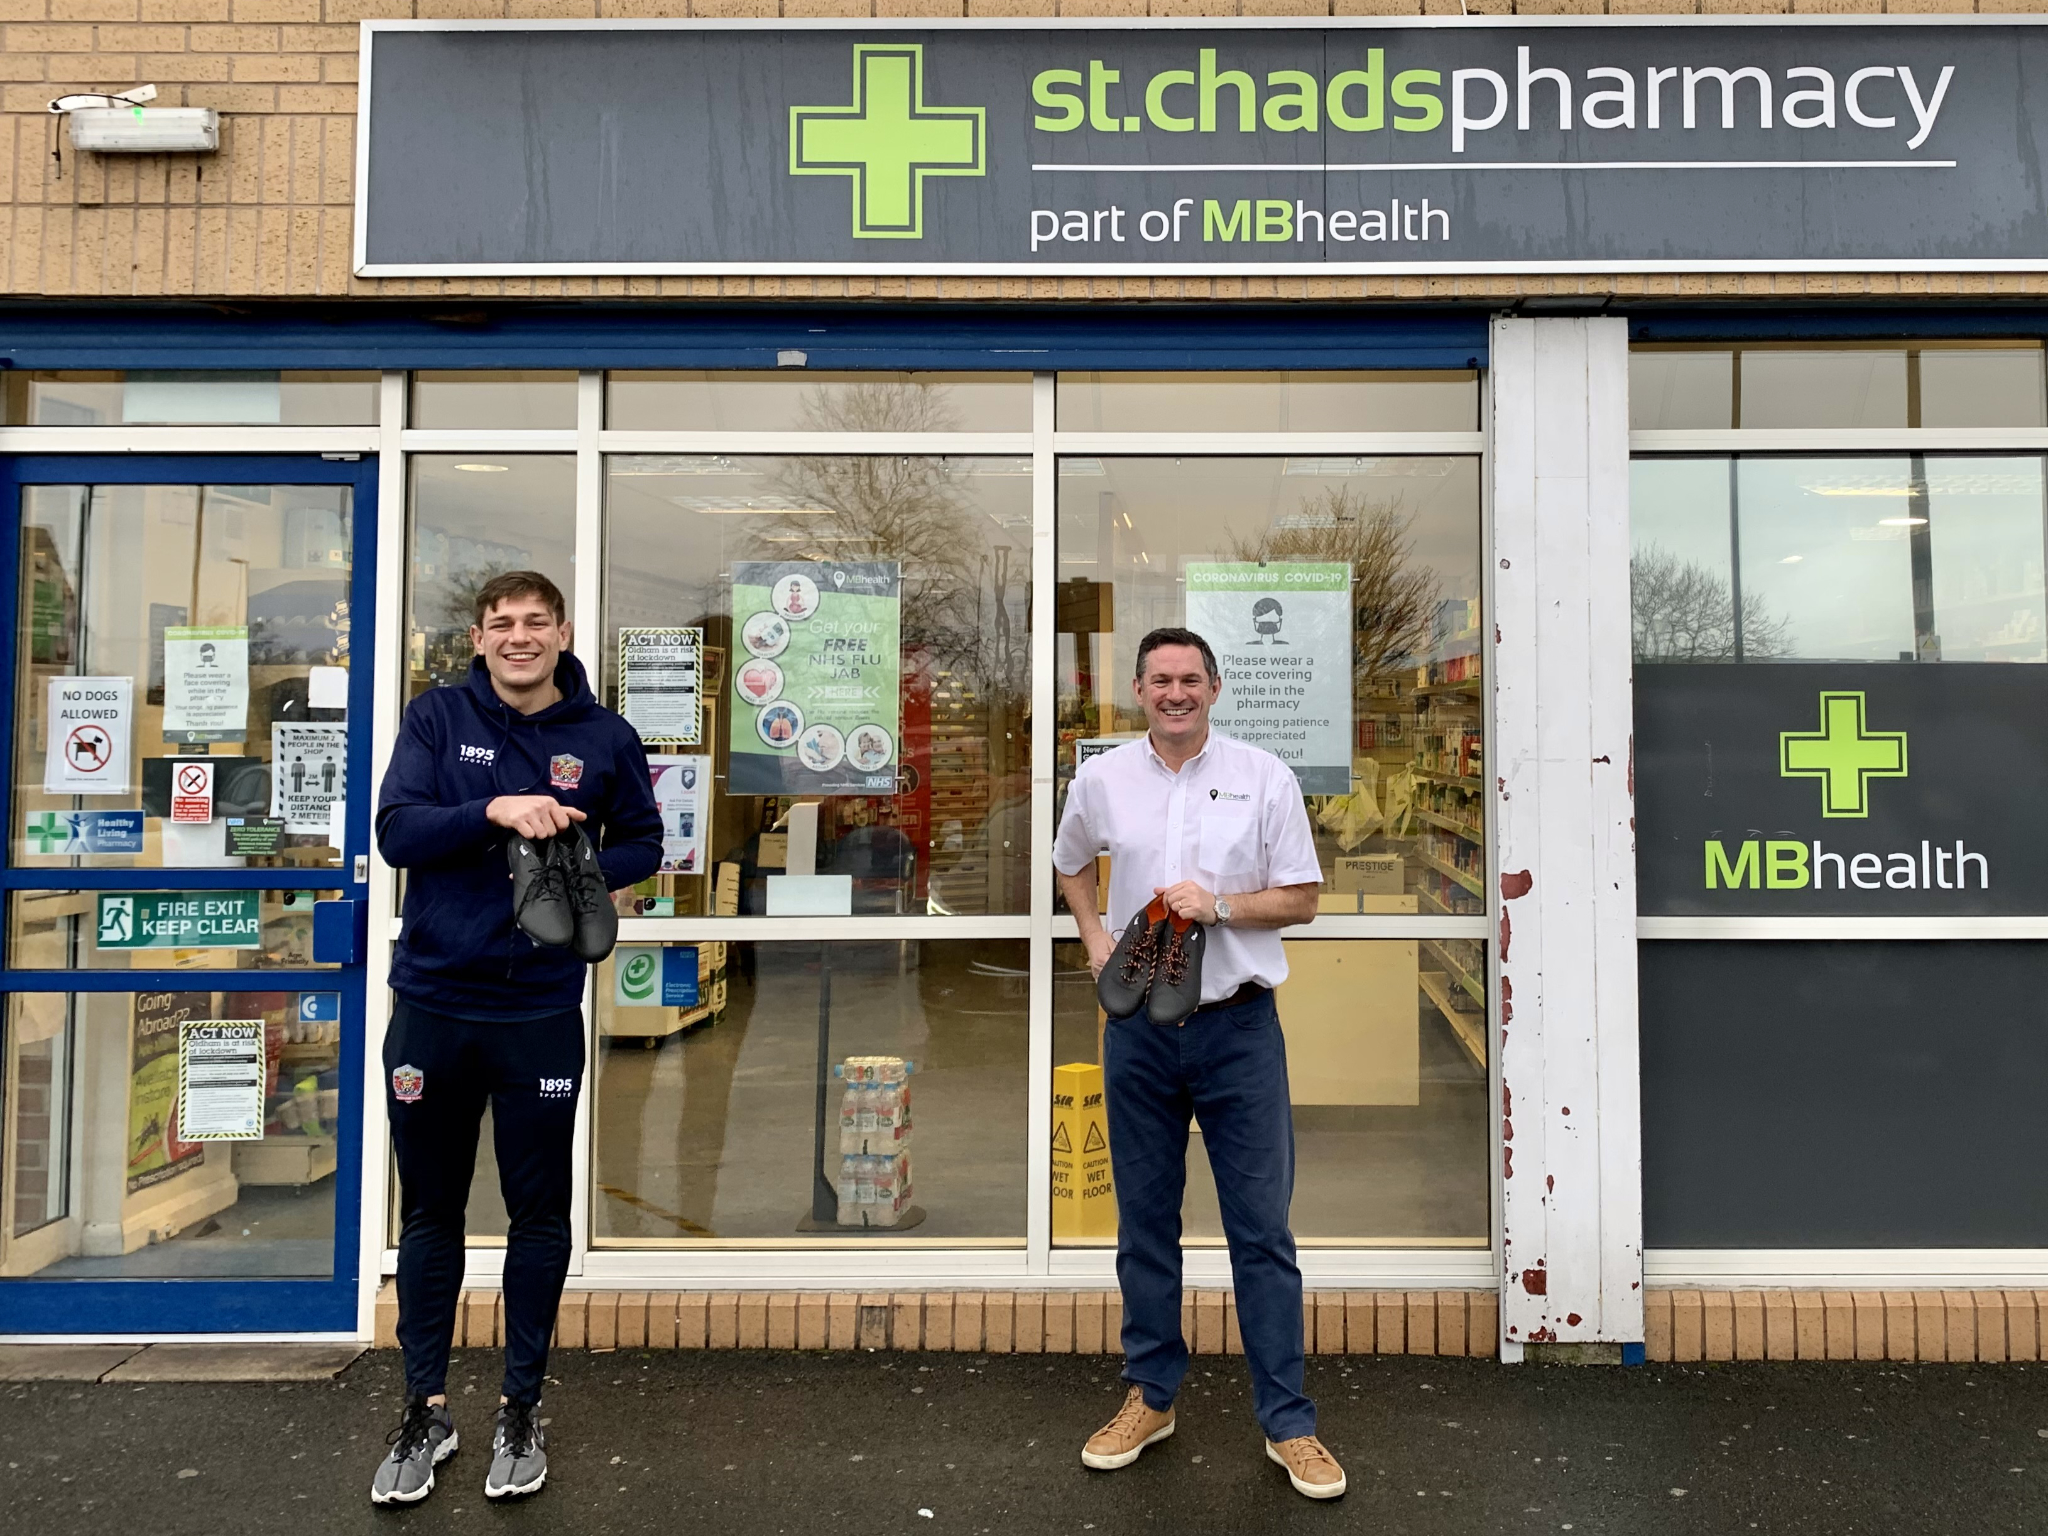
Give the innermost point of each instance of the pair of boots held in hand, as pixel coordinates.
(559, 897)
(1157, 965)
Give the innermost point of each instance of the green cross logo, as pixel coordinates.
(1842, 754)
(48, 831)
(888, 141)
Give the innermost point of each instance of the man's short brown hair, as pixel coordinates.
(502, 589)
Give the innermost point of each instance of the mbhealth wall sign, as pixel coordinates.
(1475, 144)
(1814, 790)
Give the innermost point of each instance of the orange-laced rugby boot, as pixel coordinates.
(1120, 1442)
(1310, 1466)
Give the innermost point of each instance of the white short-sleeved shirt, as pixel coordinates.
(1232, 819)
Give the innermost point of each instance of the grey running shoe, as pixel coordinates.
(597, 920)
(424, 1439)
(540, 891)
(519, 1455)
(1177, 978)
(1127, 973)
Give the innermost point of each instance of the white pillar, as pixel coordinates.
(1565, 958)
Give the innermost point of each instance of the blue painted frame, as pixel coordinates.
(113, 1306)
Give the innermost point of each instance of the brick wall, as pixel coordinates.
(270, 215)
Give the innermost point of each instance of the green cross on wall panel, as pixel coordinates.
(888, 141)
(1843, 755)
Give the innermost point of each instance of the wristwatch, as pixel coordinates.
(1223, 911)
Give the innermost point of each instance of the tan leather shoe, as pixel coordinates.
(1119, 1442)
(1310, 1467)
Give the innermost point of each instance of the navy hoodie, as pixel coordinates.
(459, 749)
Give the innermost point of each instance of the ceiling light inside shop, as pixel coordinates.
(1791, 559)
(484, 469)
(1902, 522)
(779, 506)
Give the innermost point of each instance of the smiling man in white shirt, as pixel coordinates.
(1217, 830)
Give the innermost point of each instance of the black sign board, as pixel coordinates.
(1809, 790)
(1357, 145)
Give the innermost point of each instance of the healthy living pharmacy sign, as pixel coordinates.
(1476, 144)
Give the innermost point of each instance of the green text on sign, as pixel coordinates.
(179, 920)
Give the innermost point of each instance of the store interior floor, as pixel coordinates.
(711, 1134)
(271, 1232)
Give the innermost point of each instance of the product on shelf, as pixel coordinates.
(874, 1140)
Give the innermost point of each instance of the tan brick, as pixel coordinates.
(340, 68)
(938, 1320)
(303, 68)
(661, 1320)
(1962, 1324)
(722, 1320)
(235, 39)
(842, 1320)
(1717, 1323)
(1329, 1316)
(751, 1323)
(1208, 1339)
(1001, 8)
(1657, 1325)
(1991, 1325)
(1451, 1321)
(352, 11)
(1422, 1323)
(1059, 1322)
(51, 39)
(1113, 1323)
(481, 1311)
(549, 10)
(1930, 1326)
(138, 39)
(384, 1314)
(1390, 1322)
(906, 1323)
(184, 10)
(1233, 1336)
(1089, 1336)
(1780, 1330)
(23, 10)
(1482, 1326)
(1809, 1325)
(192, 68)
(94, 10)
(693, 1320)
(872, 1331)
(1898, 1326)
(1868, 1327)
(316, 98)
(314, 38)
(20, 66)
(572, 1320)
(811, 1332)
(237, 98)
(1187, 1318)
(732, 8)
(601, 1326)
(913, 8)
(644, 8)
(276, 10)
(149, 250)
(1688, 1329)
(969, 1309)
(1029, 1337)
(1838, 1314)
(1748, 1309)
(999, 1322)
(2022, 1326)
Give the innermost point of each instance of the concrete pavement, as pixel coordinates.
(960, 1445)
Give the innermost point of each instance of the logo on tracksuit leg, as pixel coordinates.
(565, 772)
(407, 1084)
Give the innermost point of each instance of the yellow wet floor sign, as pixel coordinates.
(1083, 1193)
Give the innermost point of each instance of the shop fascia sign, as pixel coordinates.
(1846, 759)
(1469, 144)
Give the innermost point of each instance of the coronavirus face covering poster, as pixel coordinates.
(815, 680)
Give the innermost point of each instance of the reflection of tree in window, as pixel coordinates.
(1393, 599)
(1681, 610)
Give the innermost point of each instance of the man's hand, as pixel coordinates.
(1100, 947)
(533, 816)
(1188, 900)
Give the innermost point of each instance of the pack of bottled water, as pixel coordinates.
(874, 1140)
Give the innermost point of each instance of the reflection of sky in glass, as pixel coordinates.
(1984, 520)
(1825, 544)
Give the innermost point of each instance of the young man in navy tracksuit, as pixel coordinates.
(483, 1014)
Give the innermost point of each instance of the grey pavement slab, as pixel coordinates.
(61, 1362)
(236, 1362)
(845, 1445)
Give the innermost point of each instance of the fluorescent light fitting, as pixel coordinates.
(485, 469)
(1902, 522)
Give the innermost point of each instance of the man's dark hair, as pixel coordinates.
(502, 589)
(1176, 636)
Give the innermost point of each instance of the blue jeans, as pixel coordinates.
(1227, 1067)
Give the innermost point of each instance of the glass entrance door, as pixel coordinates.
(186, 850)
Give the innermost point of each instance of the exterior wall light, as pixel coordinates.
(121, 125)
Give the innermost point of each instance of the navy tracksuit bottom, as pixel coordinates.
(439, 1072)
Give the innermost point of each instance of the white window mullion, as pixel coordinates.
(589, 637)
(1044, 738)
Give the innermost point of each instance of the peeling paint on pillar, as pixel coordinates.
(1536, 1281)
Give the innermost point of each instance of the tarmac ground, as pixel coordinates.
(965, 1445)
